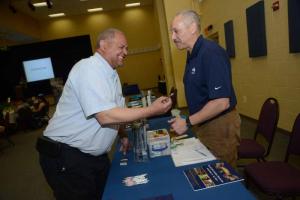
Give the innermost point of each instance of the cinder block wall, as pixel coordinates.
(256, 79)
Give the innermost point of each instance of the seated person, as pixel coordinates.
(40, 106)
(21, 104)
(2, 124)
(25, 116)
(2, 129)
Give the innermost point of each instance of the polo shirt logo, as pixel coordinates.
(193, 70)
(217, 88)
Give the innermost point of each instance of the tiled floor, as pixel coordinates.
(21, 177)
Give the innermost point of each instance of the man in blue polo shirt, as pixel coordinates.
(208, 88)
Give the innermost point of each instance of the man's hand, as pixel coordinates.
(124, 145)
(179, 125)
(161, 105)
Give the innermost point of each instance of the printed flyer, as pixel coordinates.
(211, 175)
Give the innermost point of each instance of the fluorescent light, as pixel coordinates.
(41, 4)
(94, 9)
(57, 15)
(132, 4)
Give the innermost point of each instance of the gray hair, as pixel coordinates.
(189, 17)
(107, 34)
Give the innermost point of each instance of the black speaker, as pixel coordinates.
(229, 38)
(294, 25)
(256, 30)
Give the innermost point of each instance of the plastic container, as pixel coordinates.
(140, 146)
(158, 143)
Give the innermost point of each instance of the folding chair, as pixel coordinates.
(266, 127)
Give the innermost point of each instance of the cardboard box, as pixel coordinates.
(158, 143)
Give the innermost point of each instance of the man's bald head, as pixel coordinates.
(189, 17)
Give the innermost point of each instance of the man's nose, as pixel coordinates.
(173, 36)
(125, 52)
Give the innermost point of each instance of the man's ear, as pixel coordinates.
(103, 44)
(193, 28)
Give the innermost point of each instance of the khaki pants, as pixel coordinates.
(222, 136)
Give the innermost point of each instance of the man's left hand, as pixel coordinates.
(178, 124)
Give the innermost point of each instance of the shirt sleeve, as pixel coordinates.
(217, 68)
(93, 90)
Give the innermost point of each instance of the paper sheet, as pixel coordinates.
(190, 151)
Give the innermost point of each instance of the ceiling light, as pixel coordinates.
(57, 15)
(30, 5)
(40, 4)
(94, 9)
(132, 4)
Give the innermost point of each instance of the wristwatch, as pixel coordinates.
(188, 122)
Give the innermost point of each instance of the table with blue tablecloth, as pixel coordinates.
(165, 180)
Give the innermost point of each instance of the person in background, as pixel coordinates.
(22, 103)
(73, 154)
(25, 118)
(40, 106)
(208, 88)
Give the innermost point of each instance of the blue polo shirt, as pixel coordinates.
(207, 76)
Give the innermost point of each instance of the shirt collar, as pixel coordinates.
(196, 47)
(107, 67)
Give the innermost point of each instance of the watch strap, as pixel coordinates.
(188, 122)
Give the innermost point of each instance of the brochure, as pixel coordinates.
(211, 175)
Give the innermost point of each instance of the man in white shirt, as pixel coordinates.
(85, 124)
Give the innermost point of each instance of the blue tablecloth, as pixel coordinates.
(164, 178)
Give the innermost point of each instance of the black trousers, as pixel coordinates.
(74, 175)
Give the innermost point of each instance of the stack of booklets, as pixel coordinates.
(211, 175)
(189, 151)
